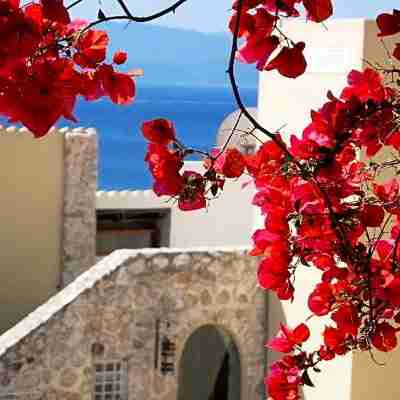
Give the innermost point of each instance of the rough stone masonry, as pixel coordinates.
(106, 318)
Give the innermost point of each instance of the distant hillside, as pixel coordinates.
(177, 56)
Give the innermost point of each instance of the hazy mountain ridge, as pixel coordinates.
(177, 56)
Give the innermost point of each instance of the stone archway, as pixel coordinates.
(210, 367)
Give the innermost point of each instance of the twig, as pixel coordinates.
(129, 17)
(235, 88)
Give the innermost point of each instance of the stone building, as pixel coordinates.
(144, 325)
(140, 324)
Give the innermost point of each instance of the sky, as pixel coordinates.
(212, 15)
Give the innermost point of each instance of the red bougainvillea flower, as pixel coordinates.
(284, 379)
(321, 299)
(365, 85)
(41, 101)
(247, 24)
(372, 215)
(192, 196)
(394, 139)
(170, 186)
(231, 163)
(257, 49)
(287, 339)
(76, 25)
(388, 192)
(54, 10)
(118, 86)
(91, 49)
(384, 338)
(120, 57)
(8, 6)
(91, 86)
(388, 24)
(318, 10)
(326, 354)
(264, 22)
(162, 161)
(335, 340)
(347, 319)
(273, 274)
(164, 165)
(20, 35)
(290, 62)
(159, 131)
(247, 4)
(284, 6)
(303, 148)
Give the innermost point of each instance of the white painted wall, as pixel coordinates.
(331, 54)
(228, 221)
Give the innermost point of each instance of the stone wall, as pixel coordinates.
(109, 313)
(80, 184)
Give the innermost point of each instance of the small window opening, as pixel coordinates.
(110, 380)
(131, 229)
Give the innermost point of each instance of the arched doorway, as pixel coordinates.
(210, 366)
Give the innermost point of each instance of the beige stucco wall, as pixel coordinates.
(47, 215)
(31, 181)
(371, 381)
(331, 53)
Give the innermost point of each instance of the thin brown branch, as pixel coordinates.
(75, 3)
(129, 17)
(230, 136)
(235, 88)
(396, 246)
(125, 8)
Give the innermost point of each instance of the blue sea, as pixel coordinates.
(196, 111)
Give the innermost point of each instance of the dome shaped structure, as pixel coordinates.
(242, 137)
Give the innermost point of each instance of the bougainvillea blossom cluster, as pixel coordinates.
(264, 41)
(165, 157)
(47, 61)
(323, 208)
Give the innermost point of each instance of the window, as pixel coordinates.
(110, 380)
(131, 229)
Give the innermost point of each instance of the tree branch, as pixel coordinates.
(129, 17)
(75, 3)
(235, 88)
(125, 8)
